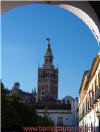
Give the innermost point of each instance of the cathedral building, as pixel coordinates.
(48, 77)
(27, 98)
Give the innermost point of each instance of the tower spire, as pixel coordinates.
(49, 50)
(48, 57)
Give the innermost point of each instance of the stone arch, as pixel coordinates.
(81, 9)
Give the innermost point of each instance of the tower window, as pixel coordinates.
(50, 60)
(46, 74)
(42, 93)
(43, 74)
(43, 87)
(46, 60)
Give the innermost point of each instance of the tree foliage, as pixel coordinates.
(15, 114)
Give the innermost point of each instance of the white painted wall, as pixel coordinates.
(54, 114)
(70, 117)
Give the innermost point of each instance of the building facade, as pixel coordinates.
(60, 117)
(89, 104)
(62, 113)
(47, 77)
(73, 107)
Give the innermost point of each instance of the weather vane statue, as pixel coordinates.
(48, 39)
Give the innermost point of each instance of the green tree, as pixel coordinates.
(15, 114)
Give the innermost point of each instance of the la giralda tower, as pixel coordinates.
(47, 77)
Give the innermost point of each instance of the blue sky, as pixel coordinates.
(24, 31)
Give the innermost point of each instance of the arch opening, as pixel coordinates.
(75, 16)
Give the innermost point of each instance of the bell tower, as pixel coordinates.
(47, 77)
